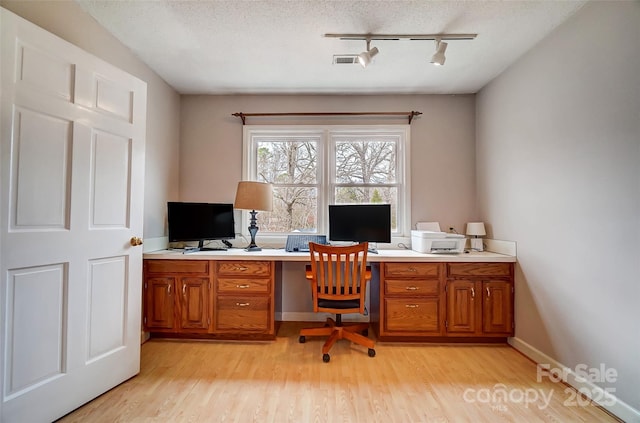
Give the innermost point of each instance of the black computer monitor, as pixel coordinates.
(200, 222)
(360, 222)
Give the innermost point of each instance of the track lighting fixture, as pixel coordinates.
(438, 57)
(365, 57)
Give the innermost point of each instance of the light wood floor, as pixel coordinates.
(284, 381)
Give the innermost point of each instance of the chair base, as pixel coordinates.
(336, 332)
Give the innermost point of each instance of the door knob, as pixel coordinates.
(135, 241)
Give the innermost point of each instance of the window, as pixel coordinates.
(311, 167)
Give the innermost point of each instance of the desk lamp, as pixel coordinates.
(476, 229)
(253, 196)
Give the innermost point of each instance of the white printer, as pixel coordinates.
(436, 242)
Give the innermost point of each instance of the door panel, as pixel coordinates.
(72, 131)
(57, 81)
(107, 306)
(42, 146)
(111, 170)
(37, 355)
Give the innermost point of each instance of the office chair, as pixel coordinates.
(338, 277)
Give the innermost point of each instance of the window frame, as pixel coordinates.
(327, 136)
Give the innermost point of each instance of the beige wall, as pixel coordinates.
(442, 157)
(68, 21)
(442, 145)
(558, 158)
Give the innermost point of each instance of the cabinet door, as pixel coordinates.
(194, 303)
(159, 304)
(461, 306)
(497, 313)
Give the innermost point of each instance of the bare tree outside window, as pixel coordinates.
(310, 170)
(290, 164)
(364, 169)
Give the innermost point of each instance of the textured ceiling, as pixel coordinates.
(277, 46)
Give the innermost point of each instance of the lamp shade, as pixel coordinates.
(476, 228)
(252, 195)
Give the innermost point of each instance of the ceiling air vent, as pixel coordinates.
(345, 59)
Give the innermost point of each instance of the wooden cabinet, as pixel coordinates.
(479, 299)
(244, 298)
(443, 301)
(410, 300)
(159, 303)
(177, 296)
(206, 298)
(419, 301)
(194, 303)
(462, 313)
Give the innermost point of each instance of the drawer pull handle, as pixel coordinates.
(242, 304)
(241, 268)
(488, 292)
(184, 287)
(411, 305)
(169, 289)
(412, 269)
(411, 288)
(473, 293)
(243, 286)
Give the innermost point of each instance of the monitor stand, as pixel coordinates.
(372, 250)
(201, 247)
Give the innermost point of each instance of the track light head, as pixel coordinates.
(438, 57)
(365, 57)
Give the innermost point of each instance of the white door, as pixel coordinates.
(72, 131)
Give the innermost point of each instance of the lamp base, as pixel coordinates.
(253, 230)
(476, 244)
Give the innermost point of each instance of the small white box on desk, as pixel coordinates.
(437, 242)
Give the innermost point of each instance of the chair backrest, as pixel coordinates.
(338, 276)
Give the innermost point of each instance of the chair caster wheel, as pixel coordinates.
(302, 339)
(326, 358)
(372, 352)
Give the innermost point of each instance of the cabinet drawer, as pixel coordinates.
(244, 268)
(479, 269)
(412, 315)
(408, 270)
(244, 285)
(243, 314)
(177, 266)
(413, 287)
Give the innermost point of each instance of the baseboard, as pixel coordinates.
(606, 400)
(288, 316)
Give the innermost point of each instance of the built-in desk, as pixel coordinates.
(417, 297)
(281, 255)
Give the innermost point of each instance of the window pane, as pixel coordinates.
(287, 161)
(295, 209)
(368, 162)
(371, 195)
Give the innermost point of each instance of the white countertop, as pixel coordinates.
(273, 254)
